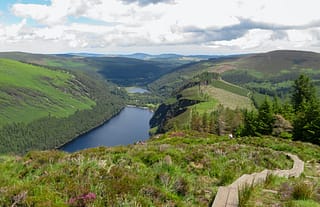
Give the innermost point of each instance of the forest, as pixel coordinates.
(297, 118)
(51, 132)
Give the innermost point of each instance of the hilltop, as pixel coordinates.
(276, 61)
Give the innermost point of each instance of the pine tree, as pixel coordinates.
(307, 107)
(265, 118)
(303, 92)
(205, 122)
(195, 120)
(249, 123)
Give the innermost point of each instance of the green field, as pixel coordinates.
(30, 92)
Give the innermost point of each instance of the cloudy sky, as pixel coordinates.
(159, 26)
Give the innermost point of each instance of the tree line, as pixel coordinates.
(51, 132)
(298, 118)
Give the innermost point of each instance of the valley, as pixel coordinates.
(159, 103)
(50, 100)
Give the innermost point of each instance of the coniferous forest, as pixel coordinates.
(51, 132)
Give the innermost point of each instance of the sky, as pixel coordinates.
(159, 26)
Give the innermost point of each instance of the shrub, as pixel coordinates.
(270, 179)
(181, 186)
(244, 194)
(302, 191)
(82, 200)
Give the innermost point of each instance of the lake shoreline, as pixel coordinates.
(88, 131)
(109, 142)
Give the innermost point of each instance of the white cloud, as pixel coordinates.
(212, 26)
(252, 39)
(12, 33)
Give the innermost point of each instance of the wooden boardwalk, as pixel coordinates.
(227, 196)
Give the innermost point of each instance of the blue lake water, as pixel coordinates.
(128, 127)
(137, 90)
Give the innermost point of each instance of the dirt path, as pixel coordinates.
(227, 196)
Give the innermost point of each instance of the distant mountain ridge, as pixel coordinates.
(145, 56)
(278, 60)
(120, 70)
(269, 72)
(141, 56)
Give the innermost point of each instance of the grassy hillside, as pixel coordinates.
(268, 73)
(210, 98)
(227, 98)
(43, 108)
(276, 61)
(120, 70)
(29, 92)
(201, 98)
(170, 82)
(273, 73)
(176, 169)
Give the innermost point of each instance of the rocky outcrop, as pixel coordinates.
(168, 111)
(281, 125)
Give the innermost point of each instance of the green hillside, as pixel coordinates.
(170, 82)
(120, 70)
(279, 60)
(43, 108)
(268, 73)
(204, 94)
(30, 92)
(173, 80)
(210, 98)
(273, 73)
(176, 169)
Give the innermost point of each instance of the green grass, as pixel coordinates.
(179, 168)
(192, 93)
(292, 192)
(221, 92)
(207, 106)
(227, 99)
(30, 92)
(231, 88)
(304, 203)
(63, 63)
(210, 97)
(244, 194)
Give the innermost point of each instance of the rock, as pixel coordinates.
(281, 125)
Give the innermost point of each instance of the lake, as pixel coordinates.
(128, 127)
(136, 90)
